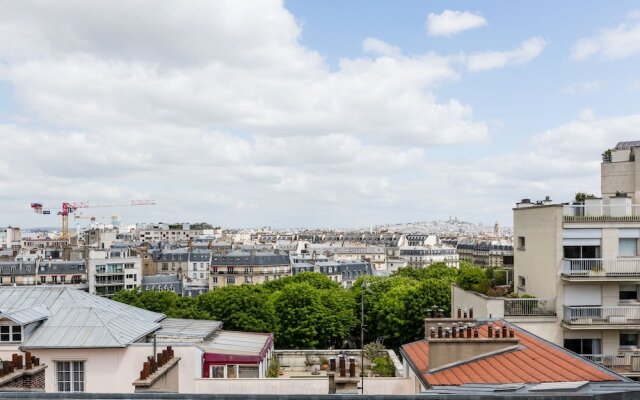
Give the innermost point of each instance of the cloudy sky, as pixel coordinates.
(311, 113)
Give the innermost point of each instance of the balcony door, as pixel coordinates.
(582, 252)
(583, 346)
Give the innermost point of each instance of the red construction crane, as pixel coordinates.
(70, 207)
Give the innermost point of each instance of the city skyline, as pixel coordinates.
(306, 113)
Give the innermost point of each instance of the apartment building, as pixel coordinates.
(198, 268)
(423, 256)
(486, 253)
(351, 251)
(237, 268)
(341, 272)
(10, 237)
(44, 272)
(113, 269)
(584, 255)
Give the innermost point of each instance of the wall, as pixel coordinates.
(540, 261)
(115, 370)
(617, 176)
(483, 306)
(387, 386)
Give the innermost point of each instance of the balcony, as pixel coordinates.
(110, 283)
(600, 268)
(529, 307)
(624, 363)
(601, 213)
(587, 316)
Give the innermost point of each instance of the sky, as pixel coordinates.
(306, 113)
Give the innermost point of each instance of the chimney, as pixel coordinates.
(342, 366)
(352, 367)
(490, 330)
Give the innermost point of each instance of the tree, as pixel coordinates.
(315, 279)
(473, 278)
(338, 319)
(186, 307)
(436, 270)
(300, 311)
(243, 308)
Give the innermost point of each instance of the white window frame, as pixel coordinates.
(74, 372)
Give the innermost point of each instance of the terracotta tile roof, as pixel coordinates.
(536, 362)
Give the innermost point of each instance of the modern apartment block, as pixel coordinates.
(112, 270)
(584, 255)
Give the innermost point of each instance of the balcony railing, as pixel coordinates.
(529, 307)
(599, 267)
(623, 362)
(586, 315)
(598, 212)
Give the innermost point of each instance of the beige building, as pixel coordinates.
(585, 256)
(238, 268)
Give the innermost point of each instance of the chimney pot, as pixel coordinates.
(497, 332)
(433, 332)
(352, 367)
(461, 331)
(459, 313)
(440, 330)
(471, 312)
(342, 366)
(447, 333)
(511, 333)
(469, 331)
(490, 331)
(454, 331)
(465, 314)
(504, 331)
(332, 363)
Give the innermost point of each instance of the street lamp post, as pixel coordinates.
(365, 286)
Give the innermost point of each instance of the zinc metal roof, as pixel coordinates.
(75, 319)
(187, 328)
(240, 343)
(627, 145)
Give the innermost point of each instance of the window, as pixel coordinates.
(581, 252)
(13, 279)
(522, 282)
(521, 243)
(232, 371)
(629, 292)
(231, 280)
(214, 279)
(63, 278)
(43, 279)
(165, 266)
(628, 248)
(217, 371)
(10, 333)
(583, 346)
(629, 339)
(248, 371)
(54, 279)
(70, 376)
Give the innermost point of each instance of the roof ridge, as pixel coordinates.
(98, 312)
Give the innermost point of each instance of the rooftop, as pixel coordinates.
(534, 360)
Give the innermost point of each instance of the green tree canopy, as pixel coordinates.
(244, 308)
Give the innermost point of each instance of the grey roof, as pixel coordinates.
(161, 282)
(13, 268)
(62, 267)
(242, 258)
(244, 343)
(75, 319)
(627, 145)
(27, 315)
(187, 328)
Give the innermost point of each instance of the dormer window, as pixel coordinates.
(10, 333)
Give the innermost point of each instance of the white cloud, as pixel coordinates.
(610, 44)
(380, 48)
(525, 52)
(450, 22)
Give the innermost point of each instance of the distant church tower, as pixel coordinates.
(496, 229)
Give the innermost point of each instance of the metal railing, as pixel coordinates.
(601, 212)
(586, 315)
(598, 267)
(529, 307)
(629, 362)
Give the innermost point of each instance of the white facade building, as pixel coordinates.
(114, 269)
